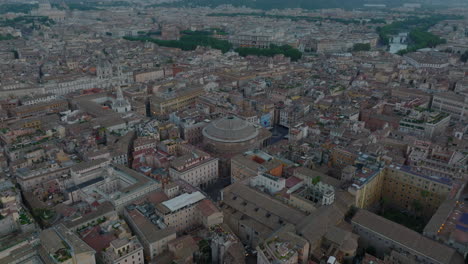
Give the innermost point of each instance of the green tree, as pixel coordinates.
(417, 206)
(383, 204)
(350, 213)
(464, 56)
(361, 47)
(371, 250)
(187, 42)
(286, 50)
(316, 180)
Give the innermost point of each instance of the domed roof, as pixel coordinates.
(349, 245)
(230, 130)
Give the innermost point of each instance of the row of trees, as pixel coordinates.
(208, 32)
(464, 56)
(17, 8)
(411, 24)
(297, 18)
(422, 39)
(25, 20)
(197, 32)
(361, 47)
(6, 37)
(418, 37)
(286, 50)
(277, 4)
(188, 42)
(82, 7)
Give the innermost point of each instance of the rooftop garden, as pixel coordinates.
(62, 255)
(316, 180)
(414, 121)
(44, 213)
(436, 119)
(280, 249)
(24, 219)
(423, 109)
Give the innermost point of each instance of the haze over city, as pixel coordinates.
(233, 131)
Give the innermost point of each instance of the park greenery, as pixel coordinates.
(276, 4)
(27, 20)
(6, 37)
(301, 18)
(286, 50)
(82, 7)
(207, 32)
(418, 27)
(91, 6)
(187, 42)
(190, 40)
(17, 8)
(110, 4)
(464, 56)
(421, 39)
(361, 47)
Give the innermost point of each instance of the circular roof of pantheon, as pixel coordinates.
(230, 130)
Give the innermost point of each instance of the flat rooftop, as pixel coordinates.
(183, 200)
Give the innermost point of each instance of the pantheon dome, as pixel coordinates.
(231, 135)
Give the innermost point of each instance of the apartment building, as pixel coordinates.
(367, 187)
(124, 251)
(196, 167)
(164, 104)
(434, 160)
(43, 108)
(433, 125)
(253, 216)
(401, 187)
(454, 104)
(32, 100)
(415, 192)
(247, 165)
(435, 60)
(277, 251)
(188, 210)
(31, 179)
(257, 38)
(153, 235)
(321, 187)
(60, 245)
(387, 236)
(341, 158)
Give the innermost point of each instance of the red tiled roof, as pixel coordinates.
(207, 207)
(292, 181)
(97, 241)
(157, 197)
